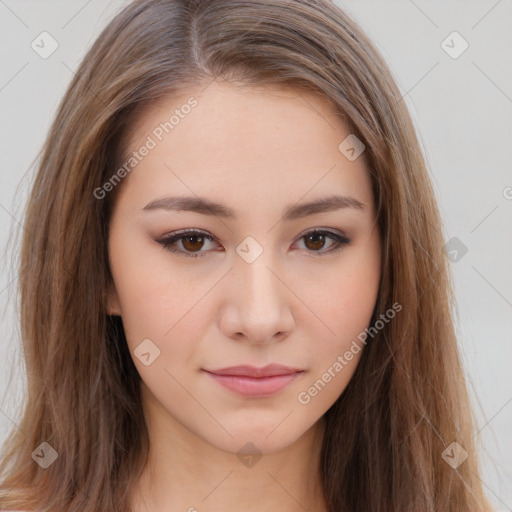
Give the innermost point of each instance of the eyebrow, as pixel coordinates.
(207, 207)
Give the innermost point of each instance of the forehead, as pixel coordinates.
(262, 141)
(237, 110)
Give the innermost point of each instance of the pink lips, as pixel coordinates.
(255, 382)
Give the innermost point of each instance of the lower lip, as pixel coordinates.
(252, 386)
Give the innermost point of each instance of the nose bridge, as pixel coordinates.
(260, 301)
(260, 289)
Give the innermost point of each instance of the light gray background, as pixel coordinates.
(462, 109)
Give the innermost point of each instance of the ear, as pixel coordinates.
(113, 306)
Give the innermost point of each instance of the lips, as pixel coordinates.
(270, 370)
(251, 381)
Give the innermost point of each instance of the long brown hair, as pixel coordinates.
(407, 401)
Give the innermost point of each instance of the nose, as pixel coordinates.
(258, 310)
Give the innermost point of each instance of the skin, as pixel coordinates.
(256, 150)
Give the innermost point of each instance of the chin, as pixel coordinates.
(267, 436)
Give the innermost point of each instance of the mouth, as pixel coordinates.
(255, 382)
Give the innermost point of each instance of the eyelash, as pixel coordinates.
(167, 241)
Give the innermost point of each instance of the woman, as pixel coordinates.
(233, 286)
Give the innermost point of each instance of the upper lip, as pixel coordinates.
(253, 371)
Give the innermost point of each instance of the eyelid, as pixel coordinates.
(329, 231)
(186, 231)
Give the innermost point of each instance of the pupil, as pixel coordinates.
(318, 244)
(189, 239)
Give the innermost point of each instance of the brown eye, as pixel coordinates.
(191, 243)
(315, 241)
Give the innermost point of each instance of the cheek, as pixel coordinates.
(155, 300)
(155, 311)
(345, 298)
(345, 308)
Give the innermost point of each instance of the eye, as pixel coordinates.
(193, 240)
(315, 240)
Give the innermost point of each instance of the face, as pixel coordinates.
(223, 254)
